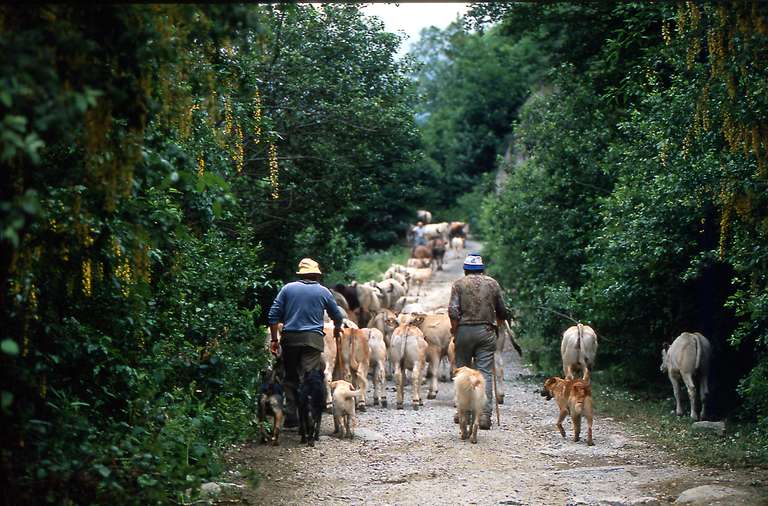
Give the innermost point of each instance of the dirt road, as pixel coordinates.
(416, 457)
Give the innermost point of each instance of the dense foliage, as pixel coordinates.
(636, 201)
(161, 165)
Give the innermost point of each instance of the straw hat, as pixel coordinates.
(308, 266)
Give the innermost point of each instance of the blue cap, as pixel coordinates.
(474, 262)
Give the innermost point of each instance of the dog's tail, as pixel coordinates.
(581, 391)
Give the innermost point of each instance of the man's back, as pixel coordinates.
(300, 306)
(476, 298)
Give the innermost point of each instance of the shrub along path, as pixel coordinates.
(416, 457)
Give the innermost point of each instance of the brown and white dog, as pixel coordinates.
(469, 399)
(574, 397)
(344, 395)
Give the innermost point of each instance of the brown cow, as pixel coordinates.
(437, 332)
(354, 357)
(438, 251)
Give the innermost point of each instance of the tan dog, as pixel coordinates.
(344, 395)
(469, 399)
(574, 397)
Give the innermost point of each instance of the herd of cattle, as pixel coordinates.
(387, 334)
(386, 330)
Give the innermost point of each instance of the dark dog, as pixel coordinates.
(311, 404)
(271, 410)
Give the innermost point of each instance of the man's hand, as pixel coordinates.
(274, 347)
(336, 332)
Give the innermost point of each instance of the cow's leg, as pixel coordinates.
(498, 364)
(362, 385)
(692, 395)
(382, 383)
(703, 395)
(569, 371)
(675, 380)
(399, 380)
(328, 379)
(434, 361)
(418, 366)
(560, 418)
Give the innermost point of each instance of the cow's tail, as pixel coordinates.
(580, 332)
(402, 346)
(697, 344)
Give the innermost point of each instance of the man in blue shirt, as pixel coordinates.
(299, 307)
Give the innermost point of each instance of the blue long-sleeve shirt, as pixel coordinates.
(300, 304)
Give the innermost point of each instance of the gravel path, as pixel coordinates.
(416, 457)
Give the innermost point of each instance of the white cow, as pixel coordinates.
(688, 358)
(408, 352)
(436, 230)
(378, 365)
(506, 338)
(578, 350)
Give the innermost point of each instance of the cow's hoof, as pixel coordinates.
(399, 405)
(375, 401)
(303, 439)
(311, 442)
(500, 399)
(361, 408)
(473, 440)
(431, 396)
(590, 443)
(415, 406)
(421, 402)
(383, 403)
(275, 443)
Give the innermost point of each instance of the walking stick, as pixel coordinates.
(495, 398)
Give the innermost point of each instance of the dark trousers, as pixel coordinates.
(477, 342)
(297, 361)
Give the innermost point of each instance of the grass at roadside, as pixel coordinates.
(647, 415)
(371, 265)
(744, 444)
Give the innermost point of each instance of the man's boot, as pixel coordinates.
(485, 422)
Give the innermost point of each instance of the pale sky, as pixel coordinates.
(412, 17)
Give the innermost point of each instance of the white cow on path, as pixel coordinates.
(578, 350)
(688, 359)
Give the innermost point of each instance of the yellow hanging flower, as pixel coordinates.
(273, 171)
(257, 117)
(87, 277)
(200, 167)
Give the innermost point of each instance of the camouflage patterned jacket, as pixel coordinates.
(476, 299)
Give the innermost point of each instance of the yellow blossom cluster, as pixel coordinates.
(239, 154)
(273, 171)
(257, 117)
(87, 277)
(200, 167)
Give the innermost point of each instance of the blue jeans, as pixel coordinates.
(478, 342)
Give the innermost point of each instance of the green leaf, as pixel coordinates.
(6, 399)
(9, 347)
(102, 470)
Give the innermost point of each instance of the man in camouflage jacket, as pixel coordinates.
(476, 310)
